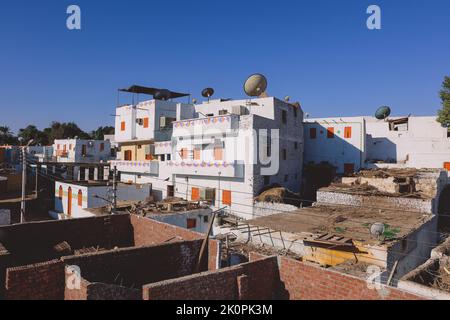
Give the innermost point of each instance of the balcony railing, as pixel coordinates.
(201, 125)
(149, 167)
(205, 168)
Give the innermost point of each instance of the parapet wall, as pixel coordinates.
(339, 198)
(258, 280)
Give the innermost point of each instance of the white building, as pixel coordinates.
(224, 151)
(72, 199)
(81, 151)
(351, 143)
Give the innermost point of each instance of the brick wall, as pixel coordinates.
(148, 231)
(256, 280)
(43, 281)
(32, 242)
(305, 281)
(133, 267)
(5, 261)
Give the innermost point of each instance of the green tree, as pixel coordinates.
(32, 132)
(444, 113)
(6, 136)
(99, 134)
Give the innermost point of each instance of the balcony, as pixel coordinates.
(145, 167)
(204, 168)
(205, 126)
(62, 153)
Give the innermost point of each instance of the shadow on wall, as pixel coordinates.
(381, 149)
(444, 211)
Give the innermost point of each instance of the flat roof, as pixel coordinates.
(345, 221)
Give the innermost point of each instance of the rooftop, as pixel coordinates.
(344, 221)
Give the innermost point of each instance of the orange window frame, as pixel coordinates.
(447, 166)
(122, 126)
(197, 153)
(226, 197)
(195, 194)
(80, 198)
(146, 123)
(348, 132)
(191, 223)
(218, 153)
(330, 133)
(184, 153)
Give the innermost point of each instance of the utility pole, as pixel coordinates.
(24, 181)
(114, 189)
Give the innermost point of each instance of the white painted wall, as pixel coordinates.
(201, 216)
(338, 150)
(74, 147)
(124, 192)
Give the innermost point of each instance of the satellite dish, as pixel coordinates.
(255, 85)
(162, 94)
(194, 101)
(208, 92)
(377, 229)
(383, 112)
(287, 98)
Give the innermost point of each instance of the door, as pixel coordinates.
(170, 191)
(349, 168)
(195, 194)
(69, 201)
(447, 166)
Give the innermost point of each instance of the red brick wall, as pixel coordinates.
(43, 281)
(305, 281)
(254, 280)
(148, 231)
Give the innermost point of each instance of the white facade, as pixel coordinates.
(418, 142)
(81, 151)
(219, 150)
(72, 199)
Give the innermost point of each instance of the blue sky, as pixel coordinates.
(318, 52)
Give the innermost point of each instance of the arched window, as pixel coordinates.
(60, 193)
(80, 198)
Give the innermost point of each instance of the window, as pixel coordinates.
(348, 132)
(162, 157)
(195, 194)
(80, 198)
(60, 192)
(128, 155)
(102, 146)
(197, 153)
(330, 133)
(70, 146)
(269, 146)
(148, 157)
(218, 153)
(226, 197)
(284, 154)
(296, 145)
(184, 153)
(191, 223)
(122, 126)
(284, 116)
(205, 219)
(295, 112)
(58, 147)
(64, 148)
(312, 133)
(266, 180)
(84, 150)
(447, 166)
(139, 146)
(145, 122)
(169, 157)
(286, 178)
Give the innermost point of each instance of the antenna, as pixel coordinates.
(255, 85)
(207, 93)
(383, 112)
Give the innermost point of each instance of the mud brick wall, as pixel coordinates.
(134, 267)
(31, 242)
(305, 281)
(103, 291)
(43, 281)
(258, 280)
(148, 231)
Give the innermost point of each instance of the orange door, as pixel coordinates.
(69, 202)
(195, 194)
(218, 153)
